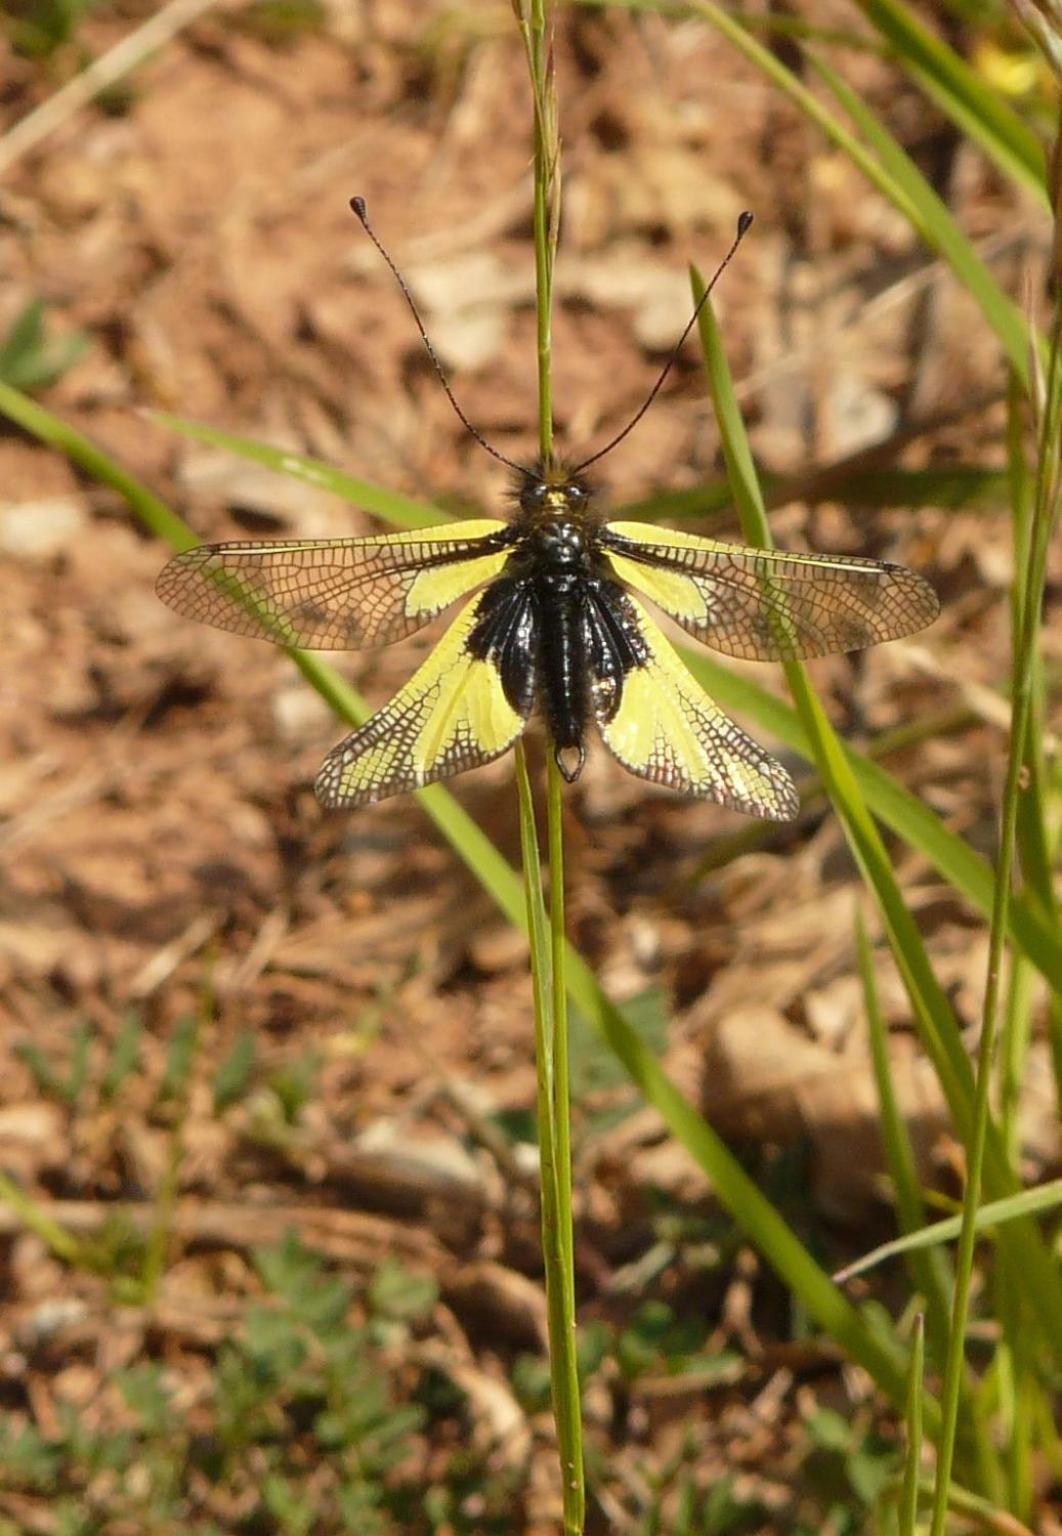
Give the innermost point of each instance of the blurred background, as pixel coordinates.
(269, 1238)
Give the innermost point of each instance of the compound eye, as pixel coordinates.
(576, 493)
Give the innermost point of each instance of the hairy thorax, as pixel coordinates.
(555, 528)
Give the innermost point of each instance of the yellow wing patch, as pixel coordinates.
(435, 587)
(766, 605)
(452, 714)
(666, 729)
(672, 591)
(334, 594)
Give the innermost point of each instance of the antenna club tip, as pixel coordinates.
(744, 223)
(358, 206)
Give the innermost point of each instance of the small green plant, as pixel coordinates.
(30, 359)
(71, 1079)
(180, 1059)
(308, 1412)
(595, 1068)
(279, 22)
(716, 1511)
(38, 28)
(66, 1083)
(234, 1076)
(294, 1084)
(848, 1467)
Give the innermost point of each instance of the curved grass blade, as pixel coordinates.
(857, 479)
(934, 221)
(1031, 1202)
(961, 94)
(34, 1216)
(406, 511)
(894, 174)
(82, 451)
(1046, 507)
(933, 1016)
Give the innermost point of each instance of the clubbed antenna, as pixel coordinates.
(358, 205)
(744, 224)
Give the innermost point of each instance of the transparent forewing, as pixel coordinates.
(334, 594)
(661, 725)
(765, 605)
(453, 714)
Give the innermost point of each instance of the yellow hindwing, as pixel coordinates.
(452, 714)
(666, 729)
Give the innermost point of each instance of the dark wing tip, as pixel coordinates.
(788, 805)
(328, 796)
(782, 805)
(327, 786)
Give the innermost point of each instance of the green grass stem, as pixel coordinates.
(549, 964)
(1036, 839)
(913, 1421)
(1013, 1372)
(555, 1181)
(535, 21)
(561, 1101)
(63, 1244)
(929, 1274)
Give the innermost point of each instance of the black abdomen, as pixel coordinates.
(561, 601)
